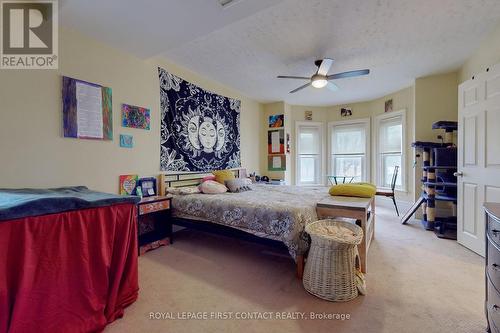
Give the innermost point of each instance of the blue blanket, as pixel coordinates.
(19, 203)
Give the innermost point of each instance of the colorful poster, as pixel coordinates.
(277, 120)
(87, 110)
(135, 117)
(128, 184)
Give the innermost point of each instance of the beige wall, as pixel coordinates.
(487, 55)
(436, 98)
(32, 149)
(402, 99)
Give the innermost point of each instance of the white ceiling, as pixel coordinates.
(248, 44)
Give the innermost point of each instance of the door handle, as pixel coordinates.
(495, 232)
(495, 267)
(458, 173)
(495, 308)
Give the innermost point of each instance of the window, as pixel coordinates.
(309, 153)
(349, 149)
(391, 134)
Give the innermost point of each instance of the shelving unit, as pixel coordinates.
(438, 182)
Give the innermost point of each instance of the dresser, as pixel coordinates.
(492, 303)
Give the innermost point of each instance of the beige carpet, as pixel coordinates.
(416, 283)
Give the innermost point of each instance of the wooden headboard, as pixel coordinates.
(179, 179)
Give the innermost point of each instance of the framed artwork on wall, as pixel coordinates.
(87, 110)
(277, 120)
(126, 141)
(135, 117)
(276, 141)
(276, 163)
(388, 105)
(345, 112)
(308, 115)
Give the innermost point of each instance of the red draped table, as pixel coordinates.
(68, 272)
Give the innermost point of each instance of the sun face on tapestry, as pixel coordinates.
(199, 129)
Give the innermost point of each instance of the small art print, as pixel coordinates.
(135, 117)
(126, 141)
(388, 105)
(345, 112)
(276, 163)
(308, 115)
(128, 184)
(277, 120)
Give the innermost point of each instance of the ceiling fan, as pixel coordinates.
(321, 79)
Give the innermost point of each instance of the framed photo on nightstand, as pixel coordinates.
(148, 186)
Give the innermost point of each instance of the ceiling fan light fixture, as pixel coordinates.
(318, 81)
(321, 79)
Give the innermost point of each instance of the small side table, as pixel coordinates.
(361, 209)
(154, 222)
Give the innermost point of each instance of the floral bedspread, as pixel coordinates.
(270, 211)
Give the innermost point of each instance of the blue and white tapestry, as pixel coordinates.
(200, 130)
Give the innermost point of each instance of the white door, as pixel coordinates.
(478, 154)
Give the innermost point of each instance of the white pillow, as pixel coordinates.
(173, 190)
(189, 190)
(183, 190)
(212, 187)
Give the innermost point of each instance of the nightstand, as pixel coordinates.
(153, 222)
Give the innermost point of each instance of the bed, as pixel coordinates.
(68, 259)
(275, 212)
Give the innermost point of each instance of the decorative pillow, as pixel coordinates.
(362, 190)
(204, 179)
(222, 175)
(237, 185)
(212, 187)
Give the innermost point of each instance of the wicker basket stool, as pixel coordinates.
(330, 267)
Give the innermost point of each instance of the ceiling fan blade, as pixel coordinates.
(325, 66)
(349, 74)
(332, 86)
(293, 77)
(300, 88)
